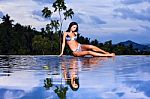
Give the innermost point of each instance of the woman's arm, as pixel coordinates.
(63, 44)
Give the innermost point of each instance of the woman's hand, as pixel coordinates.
(60, 54)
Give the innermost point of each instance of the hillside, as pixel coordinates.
(136, 45)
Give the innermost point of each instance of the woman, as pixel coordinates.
(70, 36)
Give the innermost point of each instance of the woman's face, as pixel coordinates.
(74, 85)
(73, 28)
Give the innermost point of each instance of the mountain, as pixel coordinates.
(136, 45)
(147, 45)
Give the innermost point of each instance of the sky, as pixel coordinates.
(116, 20)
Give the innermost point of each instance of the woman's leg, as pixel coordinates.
(94, 48)
(83, 53)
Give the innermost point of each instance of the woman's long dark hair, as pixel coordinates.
(76, 81)
(70, 25)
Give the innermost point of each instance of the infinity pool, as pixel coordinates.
(67, 77)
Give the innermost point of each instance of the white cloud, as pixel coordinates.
(21, 12)
(13, 95)
(20, 80)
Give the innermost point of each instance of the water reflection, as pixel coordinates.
(70, 69)
(51, 77)
(5, 66)
(60, 90)
(92, 62)
(70, 73)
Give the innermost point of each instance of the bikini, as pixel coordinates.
(68, 38)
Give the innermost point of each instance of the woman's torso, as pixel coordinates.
(71, 41)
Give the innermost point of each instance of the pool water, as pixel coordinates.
(68, 77)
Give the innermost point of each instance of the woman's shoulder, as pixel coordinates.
(65, 33)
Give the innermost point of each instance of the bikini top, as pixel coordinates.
(68, 38)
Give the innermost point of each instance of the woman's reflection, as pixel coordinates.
(73, 65)
(92, 62)
(70, 73)
(70, 68)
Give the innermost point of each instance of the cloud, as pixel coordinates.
(24, 12)
(129, 92)
(97, 20)
(133, 30)
(1, 14)
(79, 18)
(129, 2)
(44, 1)
(145, 27)
(144, 86)
(140, 86)
(37, 14)
(127, 13)
(13, 94)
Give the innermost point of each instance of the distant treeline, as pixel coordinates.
(16, 39)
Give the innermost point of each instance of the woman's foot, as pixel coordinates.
(112, 54)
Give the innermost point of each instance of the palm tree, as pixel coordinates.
(60, 8)
(6, 35)
(6, 20)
